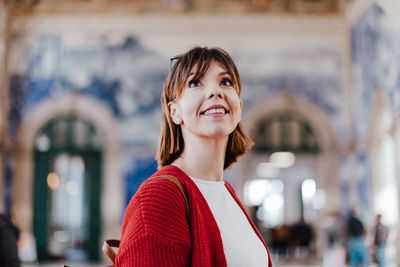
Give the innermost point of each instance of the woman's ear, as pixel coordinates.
(174, 110)
(240, 115)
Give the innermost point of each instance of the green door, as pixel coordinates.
(93, 200)
(67, 190)
(40, 204)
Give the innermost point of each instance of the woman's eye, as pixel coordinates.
(194, 83)
(226, 82)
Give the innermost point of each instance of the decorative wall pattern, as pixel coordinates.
(314, 74)
(376, 64)
(364, 180)
(128, 78)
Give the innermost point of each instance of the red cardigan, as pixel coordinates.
(155, 230)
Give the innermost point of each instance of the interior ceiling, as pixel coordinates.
(322, 7)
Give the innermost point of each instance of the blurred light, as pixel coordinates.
(255, 191)
(283, 159)
(267, 170)
(387, 194)
(72, 187)
(53, 180)
(308, 189)
(273, 203)
(319, 200)
(273, 211)
(43, 143)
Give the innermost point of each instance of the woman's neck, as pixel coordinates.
(203, 158)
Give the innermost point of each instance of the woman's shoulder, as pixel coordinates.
(157, 200)
(157, 186)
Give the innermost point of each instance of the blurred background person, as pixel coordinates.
(381, 234)
(357, 249)
(9, 234)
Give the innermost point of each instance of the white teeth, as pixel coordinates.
(215, 111)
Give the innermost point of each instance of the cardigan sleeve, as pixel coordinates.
(155, 230)
(150, 250)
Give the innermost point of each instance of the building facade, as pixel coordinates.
(81, 84)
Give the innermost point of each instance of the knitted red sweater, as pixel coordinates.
(155, 231)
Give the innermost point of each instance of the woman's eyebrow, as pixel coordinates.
(194, 74)
(224, 73)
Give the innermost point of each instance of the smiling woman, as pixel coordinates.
(187, 77)
(208, 107)
(199, 220)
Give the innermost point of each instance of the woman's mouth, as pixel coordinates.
(215, 110)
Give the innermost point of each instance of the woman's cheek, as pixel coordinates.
(235, 100)
(239, 113)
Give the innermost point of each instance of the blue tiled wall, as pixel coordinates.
(128, 78)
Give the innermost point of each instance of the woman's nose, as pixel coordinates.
(216, 92)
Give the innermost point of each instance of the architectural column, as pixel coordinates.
(9, 10)
(4, 95)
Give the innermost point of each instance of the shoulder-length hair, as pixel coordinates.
(171, 141)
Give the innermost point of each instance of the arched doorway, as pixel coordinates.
(67, 189)
(101, 117)
(295, 161)
(285, 155)
(287, 139)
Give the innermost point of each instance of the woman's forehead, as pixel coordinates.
(206, 66)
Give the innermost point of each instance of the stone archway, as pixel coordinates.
(102, 118)
(327, 162)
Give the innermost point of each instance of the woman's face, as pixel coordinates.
(209, 107)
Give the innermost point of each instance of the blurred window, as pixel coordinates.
(68, 155)
(69, 132)
(285, 132)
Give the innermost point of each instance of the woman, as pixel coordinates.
(200, 137)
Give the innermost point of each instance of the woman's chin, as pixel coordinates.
(217, 133)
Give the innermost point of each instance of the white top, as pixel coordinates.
(242, 246)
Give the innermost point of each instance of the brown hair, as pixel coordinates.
(171, 141)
